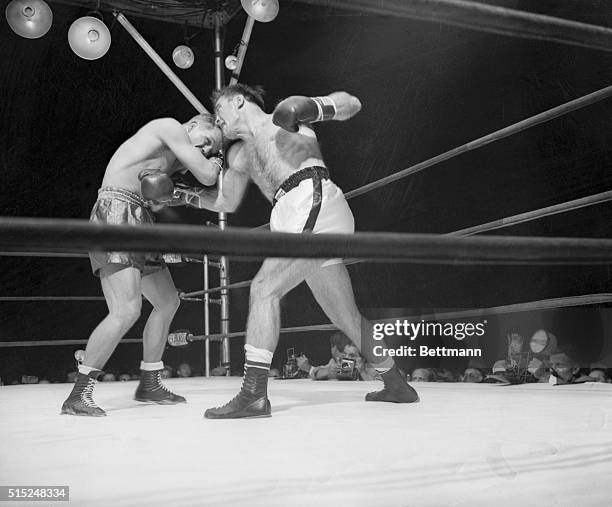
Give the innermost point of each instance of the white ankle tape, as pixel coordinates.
(385, 366)
(151, 366)
(255, 355)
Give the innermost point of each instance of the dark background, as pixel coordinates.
(425, 88)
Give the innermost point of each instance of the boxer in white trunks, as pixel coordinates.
(279, 152)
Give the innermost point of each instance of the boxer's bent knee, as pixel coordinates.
(262, 290)
(169, 305)
(128, 311)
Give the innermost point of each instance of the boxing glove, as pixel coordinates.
(295, 110)
(155, 186)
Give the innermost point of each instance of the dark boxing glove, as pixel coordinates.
(155, 186)
(293, 111)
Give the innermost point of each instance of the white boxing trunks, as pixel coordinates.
(309, 201)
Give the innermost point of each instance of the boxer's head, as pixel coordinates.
(231, 104)
(204, 134)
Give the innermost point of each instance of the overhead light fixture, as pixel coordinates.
(231, 62)
(183, 57)
(89, 37)
(29, 18)
(261, 10)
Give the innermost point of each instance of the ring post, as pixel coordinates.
(223, 261)
(206, 320)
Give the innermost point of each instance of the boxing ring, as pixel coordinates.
(530, 443)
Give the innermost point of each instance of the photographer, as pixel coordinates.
(345, 364)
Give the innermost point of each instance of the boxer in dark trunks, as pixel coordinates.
(136, 183)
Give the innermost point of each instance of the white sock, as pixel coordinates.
(257, 358)
(385, 366)
(151, 366)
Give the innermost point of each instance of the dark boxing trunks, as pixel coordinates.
(119, 206)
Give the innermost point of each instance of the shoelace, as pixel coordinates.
(244, 392)
(158, 384)
(234, 400)
(88, 393)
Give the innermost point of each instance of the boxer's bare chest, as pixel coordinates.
(272, 154)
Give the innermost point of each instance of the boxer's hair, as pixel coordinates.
(203, 119)
(253, 94)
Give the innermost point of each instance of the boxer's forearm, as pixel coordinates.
(204, 198)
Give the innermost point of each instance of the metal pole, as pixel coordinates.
(244, 42)
(187, 93)
(223, 261)
(206, 320)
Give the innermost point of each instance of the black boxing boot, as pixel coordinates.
(395, 390)
(151, 390)
(251, 401)
(80, 400)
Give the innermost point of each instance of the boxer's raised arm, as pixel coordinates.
(173, 135)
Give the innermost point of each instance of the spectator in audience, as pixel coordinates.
(423, 375)
(445, 375)
(183, 370)
(29, 379)
(274, 373)
(341, 347)
(565, 370)
(472, 375)
(71, 377)
(166, 372)
(124, 377)
(218, 371)
(599, 375)
(109, 377)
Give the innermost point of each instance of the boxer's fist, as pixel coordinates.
(293, 111)
(156, 186)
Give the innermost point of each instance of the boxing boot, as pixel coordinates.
(251, 401)
(395, 389)
(151, 390)
(80, 400)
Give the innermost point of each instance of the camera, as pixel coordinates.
(290, 368)
(348, 369)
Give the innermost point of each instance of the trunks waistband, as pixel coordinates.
(297, 177)
(123, 195)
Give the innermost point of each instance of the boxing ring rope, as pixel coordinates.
(484, 18)
(515, 128)
(529, 216)
(532, 121)
(544, 304)
(37, 234)
(501, 223)
(476, 229)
